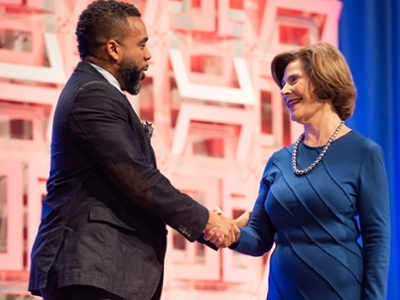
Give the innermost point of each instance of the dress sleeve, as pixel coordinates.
(373, 208)
(258, 236)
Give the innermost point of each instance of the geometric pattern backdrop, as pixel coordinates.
(217, 115)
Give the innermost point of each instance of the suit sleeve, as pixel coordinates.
(99, 118)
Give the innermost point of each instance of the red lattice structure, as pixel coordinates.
(216, 112)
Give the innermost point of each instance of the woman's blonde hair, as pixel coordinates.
(328, 71)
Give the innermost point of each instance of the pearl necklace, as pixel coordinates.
(320, 156)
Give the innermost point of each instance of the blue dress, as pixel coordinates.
(331, 226)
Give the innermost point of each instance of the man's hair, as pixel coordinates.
(328, 71)
(101, 21)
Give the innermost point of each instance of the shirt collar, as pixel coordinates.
(107, 75)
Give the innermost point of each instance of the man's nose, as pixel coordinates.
(147, 54)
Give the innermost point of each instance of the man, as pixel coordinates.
(103, 228)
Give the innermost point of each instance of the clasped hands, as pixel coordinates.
(221, 230)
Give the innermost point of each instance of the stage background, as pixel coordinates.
(369, 37)
(217, 114)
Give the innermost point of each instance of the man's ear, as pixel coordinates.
(113, 49)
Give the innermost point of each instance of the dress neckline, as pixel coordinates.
(321, 147)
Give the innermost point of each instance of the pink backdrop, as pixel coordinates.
(216, 112)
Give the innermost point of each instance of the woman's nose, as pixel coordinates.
(285, 90)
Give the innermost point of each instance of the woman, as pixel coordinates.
(320, 195)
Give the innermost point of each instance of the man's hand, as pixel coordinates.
(221, 230)
(240, 221)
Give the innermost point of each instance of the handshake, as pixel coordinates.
(223, 231)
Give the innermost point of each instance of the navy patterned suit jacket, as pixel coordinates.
(105, 214)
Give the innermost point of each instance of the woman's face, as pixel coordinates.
(302, 105)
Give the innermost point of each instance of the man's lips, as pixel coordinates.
(143, 72)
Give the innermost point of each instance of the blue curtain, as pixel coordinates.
(369, 37)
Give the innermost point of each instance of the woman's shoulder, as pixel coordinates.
(357, 139)
(355, 147)
(282, 153)
(278, 157)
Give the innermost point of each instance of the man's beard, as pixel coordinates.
(131, 76)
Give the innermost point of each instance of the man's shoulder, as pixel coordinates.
(85, 76)
(86, 72)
